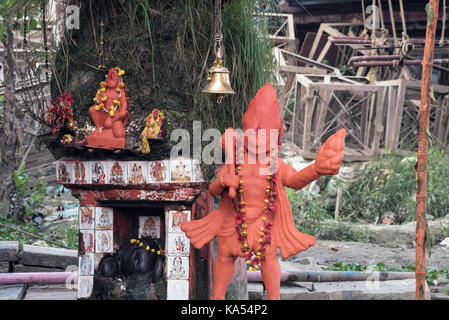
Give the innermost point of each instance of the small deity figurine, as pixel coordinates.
(255, 218)
(158, 171)
(152, 130)
(109, 113)
(80, 172)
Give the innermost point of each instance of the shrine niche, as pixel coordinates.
(131, 243)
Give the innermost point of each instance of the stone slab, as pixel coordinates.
(50, 292)
(349, 290)
(48, 256)
(4, 267)
(9, 251)
(439, 296)
(12, 292)
(20, 268)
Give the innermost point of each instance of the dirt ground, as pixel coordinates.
(368, 253)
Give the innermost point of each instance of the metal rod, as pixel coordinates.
(39, 278)
(331, 276)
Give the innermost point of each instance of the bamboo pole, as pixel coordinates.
(423, 147)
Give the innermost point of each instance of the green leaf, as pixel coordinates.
(32, 24)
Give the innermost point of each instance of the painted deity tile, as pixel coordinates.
(197, 175)
(117, 172)
(178, 244)
(158, 171)
(177, 267)
(181, 170)
(98, 172)
(104, 218)
(137, 172)
(86, 217)
(81, 172)
(178, 290)
(64, 172)
(149, 226)
(175, 218)
(88, 240)
(86, 264)
(104, 241)
(85, 286)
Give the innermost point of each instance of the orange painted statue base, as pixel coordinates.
(109, 114)
(263, 113)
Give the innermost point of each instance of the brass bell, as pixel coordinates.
(219, 78)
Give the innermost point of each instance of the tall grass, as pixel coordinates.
(166, 49)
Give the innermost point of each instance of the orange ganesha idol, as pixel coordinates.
(255, 218)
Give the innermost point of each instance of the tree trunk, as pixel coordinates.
(423, 147)
(8, 138)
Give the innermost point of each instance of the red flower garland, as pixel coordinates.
(254, 259)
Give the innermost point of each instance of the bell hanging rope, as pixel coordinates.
(218, 78)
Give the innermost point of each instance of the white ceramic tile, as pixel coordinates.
(86, 264)
(104, 241)
(81, 172)
(178, 290)
(175, 218)
(137, 172)
(117, 172)
(181, 170)
(98, 172)
(149, 226)
(86, 217)
(89, 240)
(177, 267)
(64, 172)
(159, 171)
(104, 218)
(197, 175)
(178, 244)
(85, 286)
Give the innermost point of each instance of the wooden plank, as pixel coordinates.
(324, 51)
(309, 102)
(378, 128)
(391, 110)
(322, 113)
(364, 119)
(400, 100)
(345, 87)
(438, 116)
(303, 70)
(316, 42)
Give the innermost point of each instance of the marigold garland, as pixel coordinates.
(100, 97)
(141, 244)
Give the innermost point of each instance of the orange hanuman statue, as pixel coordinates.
(255, 218)
(109, 113)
